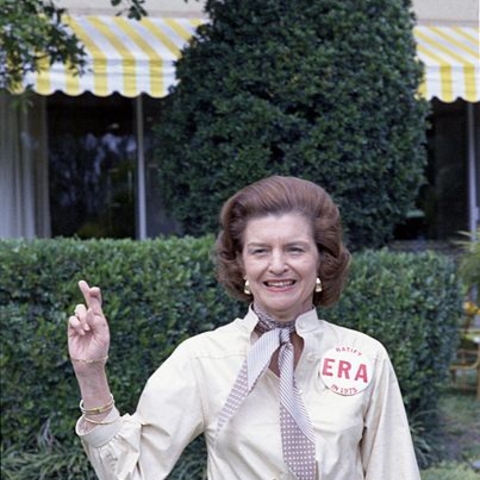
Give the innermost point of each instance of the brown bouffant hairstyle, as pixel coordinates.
(276, 196)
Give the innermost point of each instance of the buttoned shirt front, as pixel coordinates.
(348, 386)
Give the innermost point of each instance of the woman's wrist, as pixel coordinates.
(89, 422)
(90, 361)
(89, 367)
(99, 409)
(93, 384)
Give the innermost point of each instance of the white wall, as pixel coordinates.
(447, 12)
(170, 8)
(427, 11)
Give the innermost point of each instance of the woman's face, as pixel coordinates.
(280, 261)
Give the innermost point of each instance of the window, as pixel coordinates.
(92, 164)
(442, 208)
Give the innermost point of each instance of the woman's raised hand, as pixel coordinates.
(88, 332)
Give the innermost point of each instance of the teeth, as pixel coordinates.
(285, 283)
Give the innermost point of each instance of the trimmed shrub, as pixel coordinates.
(150, 295)
(324, 90)
(158, 292)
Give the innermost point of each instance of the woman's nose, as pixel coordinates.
(277, 262)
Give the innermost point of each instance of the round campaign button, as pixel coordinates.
(346, 370)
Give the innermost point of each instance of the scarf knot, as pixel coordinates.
(267, 323)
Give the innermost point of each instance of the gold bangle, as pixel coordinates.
(97, 410)
(88, 361)
(96, 422)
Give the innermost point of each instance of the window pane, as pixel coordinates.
(158, 220)
(442, 205)
(92, 156)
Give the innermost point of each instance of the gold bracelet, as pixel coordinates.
(88, 361)
(95, 422)
(97, 410)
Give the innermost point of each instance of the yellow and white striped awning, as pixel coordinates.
(125, 56)
(134, 57)
(451, 56)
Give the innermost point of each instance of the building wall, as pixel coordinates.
(170, 8)
(447, 12)
(427, 11)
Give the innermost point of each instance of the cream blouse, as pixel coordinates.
(349, 389)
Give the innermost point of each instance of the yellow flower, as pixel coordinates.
(470, 308)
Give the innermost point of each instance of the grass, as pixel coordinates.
(460, 436)
(450, 471)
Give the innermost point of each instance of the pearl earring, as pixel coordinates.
(246, 288)
(318, 285)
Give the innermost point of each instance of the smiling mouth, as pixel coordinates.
(280, 284)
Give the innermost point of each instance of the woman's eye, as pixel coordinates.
(296, 249)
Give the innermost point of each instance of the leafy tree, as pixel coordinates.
(320, 89)
(469, 263)
(33, 36)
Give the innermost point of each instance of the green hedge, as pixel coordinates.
(150, 291)
(158, 292)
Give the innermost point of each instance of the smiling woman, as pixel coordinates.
(280, 261)
(317, 223)
(279, 393)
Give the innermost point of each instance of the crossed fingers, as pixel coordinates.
(84, 315)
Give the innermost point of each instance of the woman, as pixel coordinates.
(277, 394)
